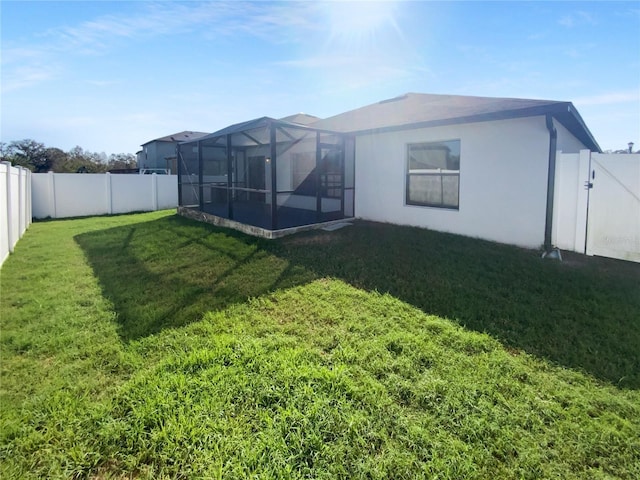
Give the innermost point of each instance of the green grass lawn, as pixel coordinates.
(151, 346)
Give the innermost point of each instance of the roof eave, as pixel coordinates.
(482, 117)
(583, 133)
(157, 140)
(565, 113)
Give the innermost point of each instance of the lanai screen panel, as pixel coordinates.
(269, 174)
(214, 177)
(349, 175)
(331, 175)
(251, 177)
(296, 181)
(188, 180)
(310, 176)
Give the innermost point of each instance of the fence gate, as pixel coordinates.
(613, 218)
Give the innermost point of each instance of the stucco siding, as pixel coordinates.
(503, 177)
(567, 143)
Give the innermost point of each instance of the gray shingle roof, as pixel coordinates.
(418, 110)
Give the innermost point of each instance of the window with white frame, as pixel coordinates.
(433, 174)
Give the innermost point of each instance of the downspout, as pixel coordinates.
(549, 250)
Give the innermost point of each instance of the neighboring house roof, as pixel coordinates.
(417, 110)
(301, 118)
(178, 137)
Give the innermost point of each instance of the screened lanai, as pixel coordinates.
(268, 173)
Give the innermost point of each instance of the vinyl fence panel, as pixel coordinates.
(597, 204)
(15, 206)
(63, 195)
(570, 201)
(614, 207)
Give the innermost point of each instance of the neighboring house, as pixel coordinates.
(474, 166)
(161, 152)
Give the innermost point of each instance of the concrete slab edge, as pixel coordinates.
(250, 229)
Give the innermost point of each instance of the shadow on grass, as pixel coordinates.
(581, 314)
(168, 272)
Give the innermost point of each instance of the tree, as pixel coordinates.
(58, 159)
(38, 158)
(122, 161)
(82, 161)
(30, 154)
(6, 152)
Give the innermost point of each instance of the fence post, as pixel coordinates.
(4, 170)
(582, 204)
(29, 199)
(21, 202)
(107, 180)
(154, 191)
(9, 208)
(52, 194)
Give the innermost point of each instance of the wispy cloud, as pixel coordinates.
(277, 23)
(26, 76)
(320, 61)
(25, 66)
(538, 36)
(626, 13)
(577, 18)
(609, 98)
(356, 71)
(578, 51)
(294, 23)
(260, 19)
(103, 83)
(153, 19)
(15, 54)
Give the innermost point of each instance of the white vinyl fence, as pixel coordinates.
(61, 195)
(597, 204)
(15, 206)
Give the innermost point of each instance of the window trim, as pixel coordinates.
(436, 172)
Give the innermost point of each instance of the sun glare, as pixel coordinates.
(354, 23)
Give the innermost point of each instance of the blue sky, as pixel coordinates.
(109, 76)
